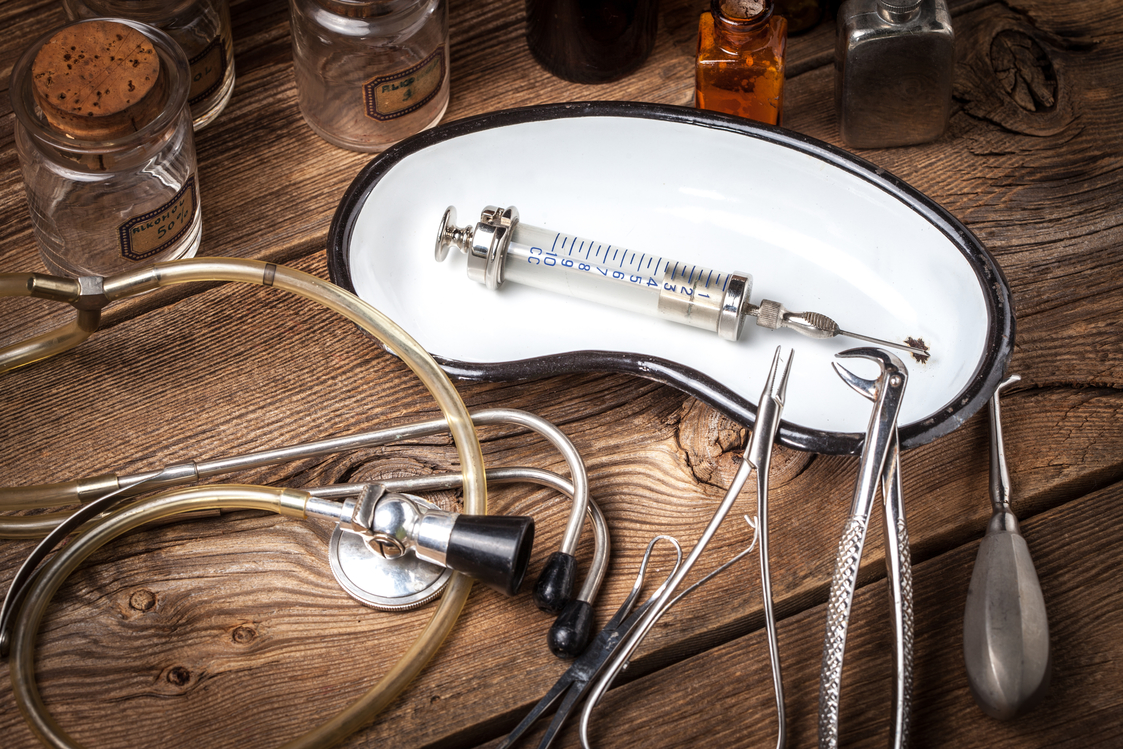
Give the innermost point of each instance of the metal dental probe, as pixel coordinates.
(1005, 626)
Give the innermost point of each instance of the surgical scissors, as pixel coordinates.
(880, 464)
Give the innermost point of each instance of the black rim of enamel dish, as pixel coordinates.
(988, 372)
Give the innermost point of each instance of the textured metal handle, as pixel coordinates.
(843, 582)
(900, 579)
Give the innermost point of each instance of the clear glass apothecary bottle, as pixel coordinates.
(200, 27)
(370, 73)
(106, 147)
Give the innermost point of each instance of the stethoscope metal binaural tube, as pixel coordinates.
(69, 492)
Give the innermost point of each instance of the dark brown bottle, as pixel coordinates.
(802, 15)
(591, 41)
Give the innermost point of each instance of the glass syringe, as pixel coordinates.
(500, 248)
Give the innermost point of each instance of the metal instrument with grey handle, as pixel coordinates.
(1005, 627)
(880, 464)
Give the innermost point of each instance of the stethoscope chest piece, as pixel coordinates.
(385, 583)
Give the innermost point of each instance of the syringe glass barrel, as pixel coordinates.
(623, 278)
(500, 248)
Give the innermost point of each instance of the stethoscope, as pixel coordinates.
(390, 549)
(379, 526)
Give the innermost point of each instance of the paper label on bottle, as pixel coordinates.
(388, 97)
(146, 235)
(208, 69)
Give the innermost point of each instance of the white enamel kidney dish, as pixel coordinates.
(817, 228)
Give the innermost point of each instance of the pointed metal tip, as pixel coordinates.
(868, 388)
(919, 351)
(776, 387)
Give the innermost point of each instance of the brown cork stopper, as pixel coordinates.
(742, 8)
(98, 80)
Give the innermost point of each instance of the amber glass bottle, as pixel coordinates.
(740, 67)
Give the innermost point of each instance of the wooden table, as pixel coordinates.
(232, 632)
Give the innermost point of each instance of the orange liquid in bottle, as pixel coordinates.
(740, 65)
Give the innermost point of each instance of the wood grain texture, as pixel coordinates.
(231, 632)
(722, 698)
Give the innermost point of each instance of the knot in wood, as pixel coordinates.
(142, 600)
(1024, 71)
(243, 635)
(711, 442)
(178, 676)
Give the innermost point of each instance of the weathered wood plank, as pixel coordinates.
(201, 629)
(723, 698)
(656, 463)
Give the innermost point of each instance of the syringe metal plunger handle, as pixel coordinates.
(773, 315)
(485, 244)
(499, 248)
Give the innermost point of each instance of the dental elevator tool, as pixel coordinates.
(501, 248)
(1005, 626)
(881, 464)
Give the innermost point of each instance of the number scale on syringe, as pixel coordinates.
(500, 248)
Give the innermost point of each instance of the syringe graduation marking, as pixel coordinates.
(693, 280)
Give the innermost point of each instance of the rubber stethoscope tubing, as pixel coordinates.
(352, 308)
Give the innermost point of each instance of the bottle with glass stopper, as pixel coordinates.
(894, 65)
(500, 248)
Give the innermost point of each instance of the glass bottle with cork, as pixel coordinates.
(740, 62)
(106, 147)
(200, 27)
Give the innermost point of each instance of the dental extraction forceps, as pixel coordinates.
(880, 464)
